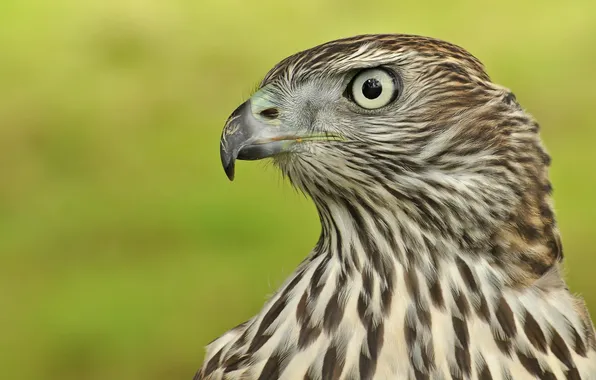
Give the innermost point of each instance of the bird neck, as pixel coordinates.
(376, 237)
(361, 234)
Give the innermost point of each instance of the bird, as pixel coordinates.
(439, 255)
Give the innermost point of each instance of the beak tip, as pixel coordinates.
(228, 161)
(230, 171)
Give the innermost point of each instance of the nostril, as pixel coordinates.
(270, 113)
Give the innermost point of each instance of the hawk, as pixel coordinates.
(439, 255)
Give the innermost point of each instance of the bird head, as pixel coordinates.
(352, 113)
(383, 120)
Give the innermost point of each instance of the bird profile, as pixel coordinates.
(439, 255)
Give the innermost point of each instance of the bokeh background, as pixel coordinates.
(124, 249)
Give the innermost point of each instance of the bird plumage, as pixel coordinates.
(439, 256)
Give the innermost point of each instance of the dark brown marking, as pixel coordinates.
(342, 279)
(334, 312)
(573, 374)
(332, 365)
(355, 257)
(546, 212)
(530, 363)
(462, 303)
(484, 372)
(455, 69)
(409, 332)
(505, 317)
(462, 357)
(548, 189)
(368, 244)
(548, 375)
(436, 293)
(560, 349)
(375, 340)
(258, 341)
(241, 341)
(386, 299)
(301, 308)
(294, 282)
(504, 343)
(534, 333)
(467, 275)
(498, 253)
(424, 316)
(234, 362)
(528, 231)
(420, 375)
(260, 337)
(273, 368)
(482, 309)
(272, 313)
(366, 367)
(462, 352)
(315, 286)
(213, 363)
(416, 342)
(428, 355)
(460, 327)
(367, 282)
(510, 99)
(555, 246)
(539, 265)
(362, 304)
(411, 279)
(307, 335)
(578, 344)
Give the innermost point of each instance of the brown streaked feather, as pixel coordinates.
(439, 252)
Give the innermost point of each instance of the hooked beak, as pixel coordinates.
(249, 137)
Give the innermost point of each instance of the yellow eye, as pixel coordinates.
(373, 88)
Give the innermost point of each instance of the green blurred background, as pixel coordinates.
(124, 249)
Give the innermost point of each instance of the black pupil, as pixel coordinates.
(372, 88)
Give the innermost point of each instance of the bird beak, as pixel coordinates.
(254, 131)
(249, 137)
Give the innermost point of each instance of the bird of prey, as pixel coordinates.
(439, 255)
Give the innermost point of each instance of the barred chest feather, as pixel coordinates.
(361, 307)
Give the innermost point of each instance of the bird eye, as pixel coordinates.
(373, 88)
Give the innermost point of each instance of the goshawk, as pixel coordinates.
(439, 255)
